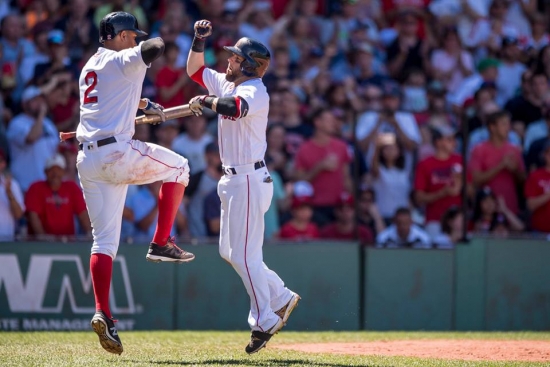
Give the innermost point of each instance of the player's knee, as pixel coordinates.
(181, 174)
(237, 260)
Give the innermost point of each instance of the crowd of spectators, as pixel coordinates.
(384, 116)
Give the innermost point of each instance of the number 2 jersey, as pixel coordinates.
(110, 89)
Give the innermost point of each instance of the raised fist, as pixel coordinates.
(203, 28)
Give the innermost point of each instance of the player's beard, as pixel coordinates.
(231, 75)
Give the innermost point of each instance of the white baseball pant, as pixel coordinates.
(244, 200)
(105, 173)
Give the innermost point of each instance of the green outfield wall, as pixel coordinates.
(484, 285)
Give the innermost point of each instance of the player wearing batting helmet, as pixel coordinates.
(240, 98)
(109, 158)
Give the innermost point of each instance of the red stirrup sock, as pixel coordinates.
(170, 196)
(101, 268)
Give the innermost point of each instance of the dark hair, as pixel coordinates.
(273, 126)
(480, 196)
(494, 117)
(449, 215)
(399, 162)
(170, 46)
(537, 75)
(402, 211)
(318, 113)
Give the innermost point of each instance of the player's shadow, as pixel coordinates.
(250, 362)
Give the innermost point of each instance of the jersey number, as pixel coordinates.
(91, 75)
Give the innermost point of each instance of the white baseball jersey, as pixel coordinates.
(110, 90)
(241, 140)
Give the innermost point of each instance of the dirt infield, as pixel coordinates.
(471, 350)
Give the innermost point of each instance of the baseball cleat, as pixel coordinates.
(285, 311)
(259, 339)
(168, 253)
(105, 328)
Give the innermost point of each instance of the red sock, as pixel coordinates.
(170, 196)
(101, 268)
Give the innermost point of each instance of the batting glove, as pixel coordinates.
(153, 108)
(203, 28)
(196, 104)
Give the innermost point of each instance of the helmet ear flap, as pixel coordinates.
(247, 68)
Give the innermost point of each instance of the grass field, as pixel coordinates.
(186, 348)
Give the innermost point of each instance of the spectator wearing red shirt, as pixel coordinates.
(300, 227)
(171, 81)
(497, 163)
(324, 161)
(345, 227)
(52, 204)
(537, 192)
(438, 179)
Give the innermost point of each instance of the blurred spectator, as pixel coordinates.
(438, 179)
(193, 141)
(15, 48)
(33, 138)
(69, 150)
(212, 213)
(41, 54)
(452, 224)
(491, 212)
(53, 204)
(403, 233)
(201, 183)
(79, 27)
(497, 163)
(391, 181)
(537, 192)
(543, 61)
(300, 227)
(527, 106)
(59, 60)
(364, 66)
(415, 96)
(144, 207)
(539, 35)
(388, 120)
(407, 51)
(510, 69)
(345, 227)
(368, 213)
(256, 21)
(279, 201)
(324, 161)
(62, 102)
(131, 7)
(171, 80)
(481, 134)
(487, 72)
(281, 70)
(12, 205)
(451, 63)
(166, 133)
(276, 152)
(538, 129)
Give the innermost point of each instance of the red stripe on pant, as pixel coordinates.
(246, 248)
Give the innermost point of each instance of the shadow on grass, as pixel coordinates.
(249, 362)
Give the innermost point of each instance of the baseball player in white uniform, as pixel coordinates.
(109, 159)
(242, 103)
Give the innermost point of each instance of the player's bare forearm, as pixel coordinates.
(195, 61)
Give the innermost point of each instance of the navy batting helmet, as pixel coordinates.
(114, 23)
(256, 56)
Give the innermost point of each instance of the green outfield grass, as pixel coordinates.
(186, 348)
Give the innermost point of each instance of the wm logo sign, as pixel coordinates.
(53, 282)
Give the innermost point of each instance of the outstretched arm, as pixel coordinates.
(195, 60)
